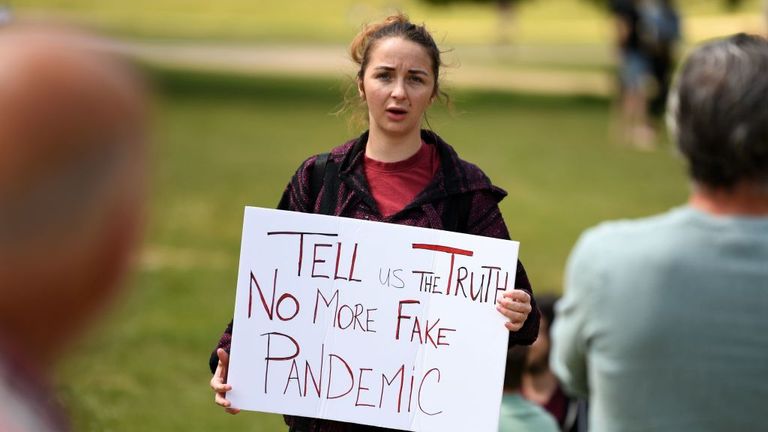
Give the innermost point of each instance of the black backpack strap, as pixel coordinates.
(456, 213)
(318, 176)
(325, 173)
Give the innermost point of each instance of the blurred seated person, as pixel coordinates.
(517, 413)
(541, 386)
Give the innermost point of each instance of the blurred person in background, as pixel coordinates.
(660, 33)
(518, 414)
(540, 385)
(647, 35)
(634, 70)
(396, 172)
(662, 323)
(72, 134)
(5, 14)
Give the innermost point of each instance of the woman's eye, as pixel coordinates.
(417, 79)
(382, 76)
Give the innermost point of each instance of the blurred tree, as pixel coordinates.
(501, 3)
(730, 5)
(507, 10)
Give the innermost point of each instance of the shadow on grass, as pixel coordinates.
(185, 83)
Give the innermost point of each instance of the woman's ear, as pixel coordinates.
(435, 93)
(360, 90)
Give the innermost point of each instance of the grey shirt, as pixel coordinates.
(520, 415)
(664, 323)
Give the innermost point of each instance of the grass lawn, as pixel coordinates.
(225, 142)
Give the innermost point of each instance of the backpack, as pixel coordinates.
(325, 172)
(658, 25)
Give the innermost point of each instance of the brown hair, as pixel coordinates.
(393, 26)
(513, 373)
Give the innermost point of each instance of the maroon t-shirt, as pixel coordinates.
(394, 185)
(557, 405)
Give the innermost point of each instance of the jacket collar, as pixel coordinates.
(453, 177)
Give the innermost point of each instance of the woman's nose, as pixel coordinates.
(398, 91)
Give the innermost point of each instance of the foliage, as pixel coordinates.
(733, 4)
(730, 5)
(498, 2)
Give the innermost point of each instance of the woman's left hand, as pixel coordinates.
(515, 305)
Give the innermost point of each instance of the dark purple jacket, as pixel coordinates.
(354, 200)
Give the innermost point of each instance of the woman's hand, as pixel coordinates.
(219, 382)
(515, 305)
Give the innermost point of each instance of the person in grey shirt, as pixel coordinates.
(663, 321)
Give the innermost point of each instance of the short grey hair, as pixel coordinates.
(718, 111)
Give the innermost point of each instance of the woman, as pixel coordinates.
(397, 173)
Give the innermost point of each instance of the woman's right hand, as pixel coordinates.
(219, 382)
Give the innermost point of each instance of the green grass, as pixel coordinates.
(224, 142)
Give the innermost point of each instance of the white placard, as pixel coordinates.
(371, 323)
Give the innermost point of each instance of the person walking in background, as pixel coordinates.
(5, 14)
(72, 172)
(634, 68)
(518, 414)
(647, 32)
(660, 33)
(396, 172)
(541, 386)
(662, 323)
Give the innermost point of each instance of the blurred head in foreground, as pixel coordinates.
(719, 114)
(72, 134)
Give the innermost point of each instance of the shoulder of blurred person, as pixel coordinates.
(72, 173)
(659, 307)
(520, 414)
(26, 403)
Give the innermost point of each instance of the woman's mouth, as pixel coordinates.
(396, 113)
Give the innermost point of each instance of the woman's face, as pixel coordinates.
(398, 86)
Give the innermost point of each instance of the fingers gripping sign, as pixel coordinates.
(515, 305)
(219, 382)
